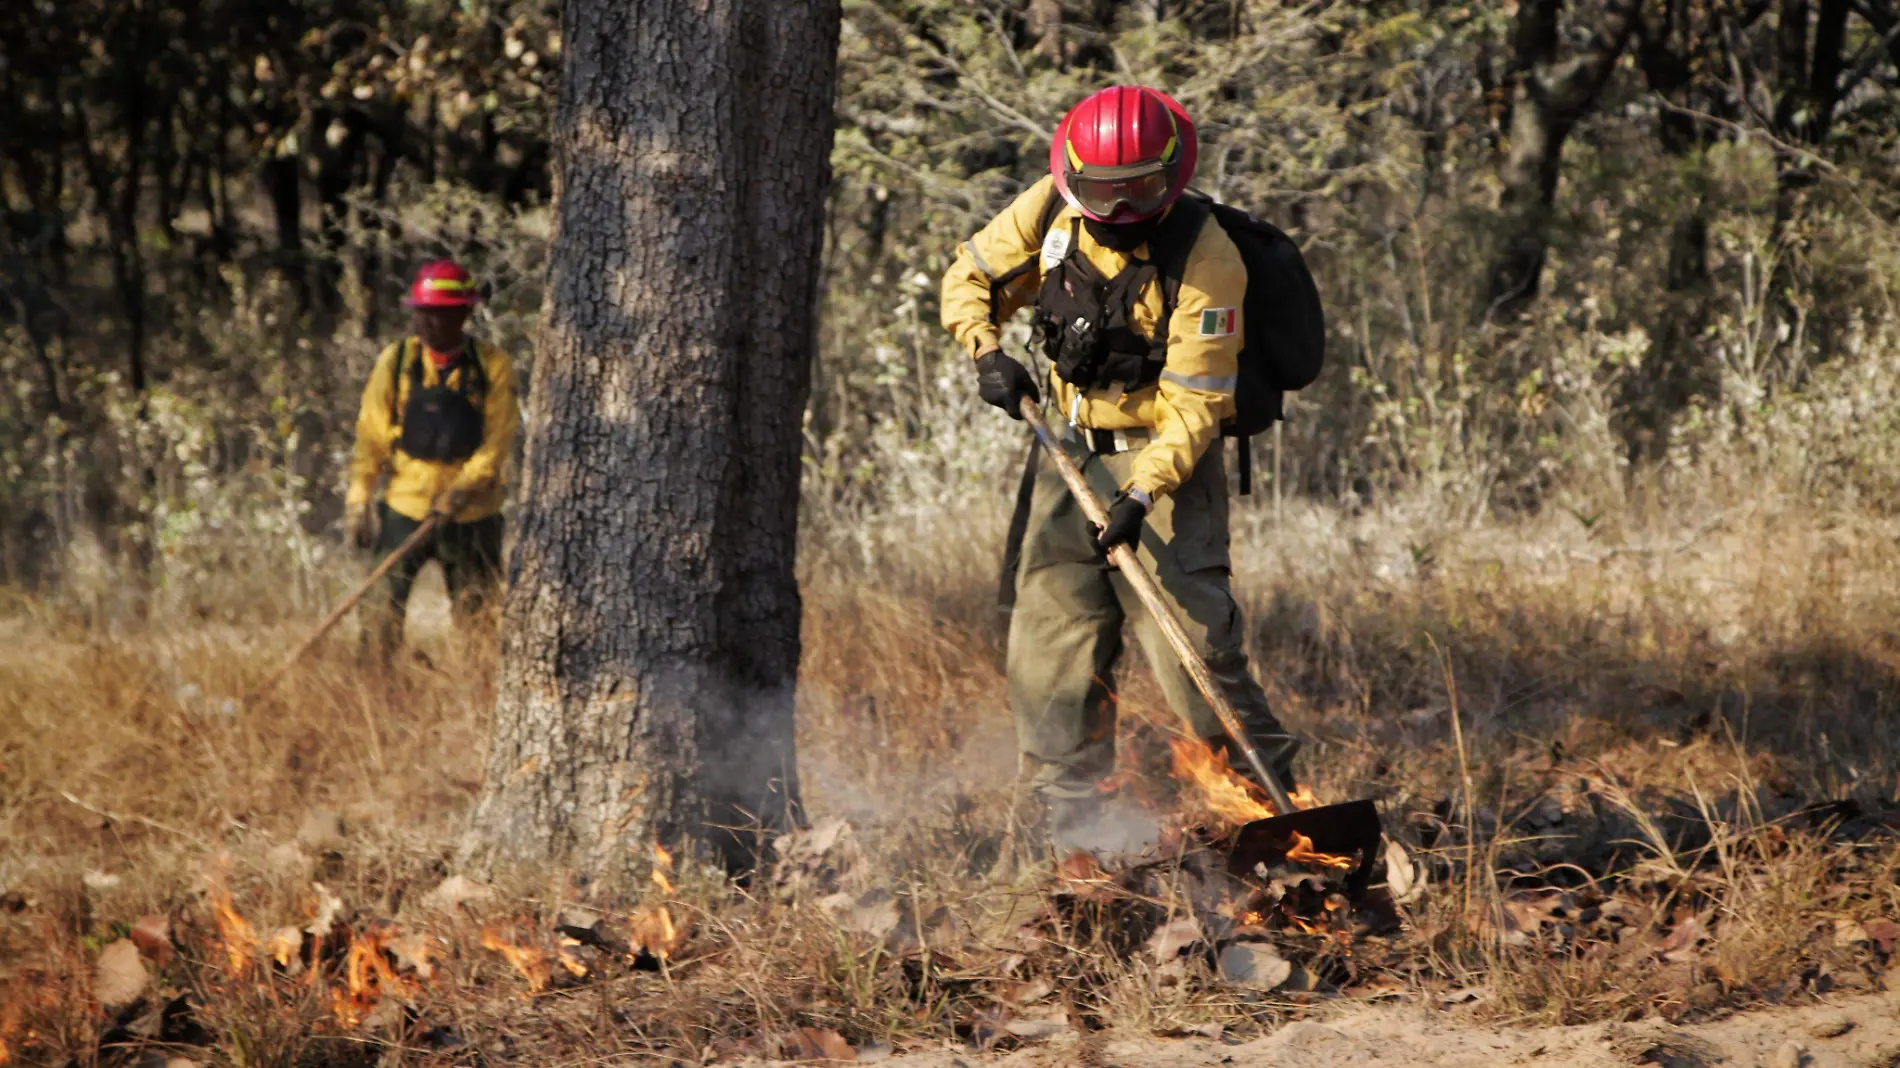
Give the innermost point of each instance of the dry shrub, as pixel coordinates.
(1649, 717)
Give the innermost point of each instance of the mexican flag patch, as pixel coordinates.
(1217, 322)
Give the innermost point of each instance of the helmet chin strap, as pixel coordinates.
(1123, 237)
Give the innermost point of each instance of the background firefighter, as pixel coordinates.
(438, 417)
(1140, 403)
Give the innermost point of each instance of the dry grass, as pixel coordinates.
(1648, 713)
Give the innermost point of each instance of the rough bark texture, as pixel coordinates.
(651, 629)
(1553, 93)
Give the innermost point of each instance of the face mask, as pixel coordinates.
(1122, 237)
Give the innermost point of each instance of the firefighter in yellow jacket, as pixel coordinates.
(1139, 402)
(438, 418)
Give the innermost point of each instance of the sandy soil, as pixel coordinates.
(1860, 1032)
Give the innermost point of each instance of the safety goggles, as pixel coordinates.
(1143, 192)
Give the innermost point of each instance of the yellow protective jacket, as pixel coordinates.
(1196, 391)
(415, 484)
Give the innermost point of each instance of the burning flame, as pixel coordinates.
(568, 954)
(529, 961)
(1223, 791)
(663, 863)
(1301, 851)
(654, 931)
(239, 937)
(367, 976)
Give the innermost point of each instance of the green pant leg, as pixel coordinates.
(1185, 545)
(386, 607)
(471, 565)
(1064, 639)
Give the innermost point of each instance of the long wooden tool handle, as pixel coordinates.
(415, 538)
(1123, 557)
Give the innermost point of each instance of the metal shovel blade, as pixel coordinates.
(1350, 829)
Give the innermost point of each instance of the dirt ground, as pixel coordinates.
(1858, 1032)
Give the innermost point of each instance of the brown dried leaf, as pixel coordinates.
(455, 893)
(1254, 965)
(812, 1044)
(328, 910)
(413, 953)
(119, 977)
(1402, 877)
(153, 935)
(1683, 943)
(1884, 933)
(1172, 937)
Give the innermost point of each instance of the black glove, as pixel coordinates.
(1001, 381)
(1125, 514)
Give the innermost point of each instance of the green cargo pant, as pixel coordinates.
(1065, 633)
(470, 554)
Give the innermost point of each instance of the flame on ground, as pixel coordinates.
(1301, 851)
(529, 961)
(239, 938)
(1223, 790)
(367, 977)
(655, 932)
(663, 863)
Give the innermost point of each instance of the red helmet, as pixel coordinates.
(1124, 154)
(442, 284)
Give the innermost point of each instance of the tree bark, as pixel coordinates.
(1552, 94)
(650, 637)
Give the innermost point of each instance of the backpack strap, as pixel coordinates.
(405, 356)
(1170, 248)
(1051, 207)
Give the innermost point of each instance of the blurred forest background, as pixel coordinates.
(1606, 256)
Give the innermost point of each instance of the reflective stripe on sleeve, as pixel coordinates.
(978, 257)
(1205, 383)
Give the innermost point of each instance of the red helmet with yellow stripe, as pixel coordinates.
(1124, 154)
(442, 284)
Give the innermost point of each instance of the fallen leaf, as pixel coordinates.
(454, 893)
(153, 935)
(1254, 965)
(119, 977)
(1463, 996)
(413, 952)
(1884, 932)
(874, 913)
(812, 1044)
(100, 882)
(1401, 875)
(329, 909)
(1683, 943)
(1172, 937)
(1847, 933)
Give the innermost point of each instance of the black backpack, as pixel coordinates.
(438, 423)
(1284, 326)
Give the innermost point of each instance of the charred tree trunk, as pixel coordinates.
(651, 627)
(1552, 94)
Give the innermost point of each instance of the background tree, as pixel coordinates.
(651, 631)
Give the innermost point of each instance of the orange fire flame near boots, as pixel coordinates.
(1235, 801)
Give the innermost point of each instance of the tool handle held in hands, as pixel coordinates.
(1123, 557)
(415, 538)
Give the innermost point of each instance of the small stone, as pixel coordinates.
(100, 882)
(1831, 1027)
(1788, 1056)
